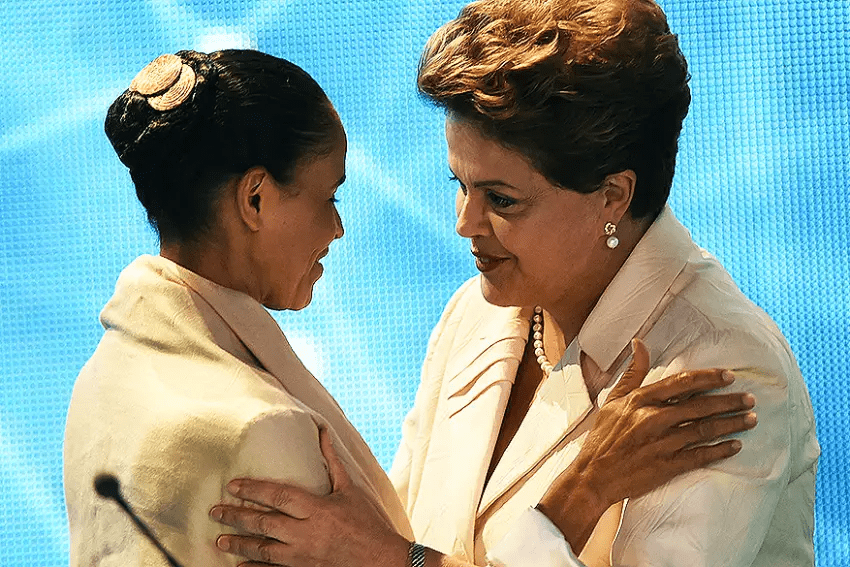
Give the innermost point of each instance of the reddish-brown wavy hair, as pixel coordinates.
(582, 88)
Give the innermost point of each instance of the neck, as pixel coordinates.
(573, 308)
(212, 260)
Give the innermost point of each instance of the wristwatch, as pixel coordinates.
(416, 555)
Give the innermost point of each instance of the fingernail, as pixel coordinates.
(736, 445)
(749, 400)
(750, 419)
(728, 376)
(216, 512)
(234, 486)
(223, 543)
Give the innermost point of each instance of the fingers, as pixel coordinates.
(688, 460)
(711, 429)
(263, 550)
(255, 522)
(702, 407)
(698, 457)
(686, 384)
(696, 445)
(635, 373)
(289, 500)
(336, 470)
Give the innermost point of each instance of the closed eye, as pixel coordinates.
(500, 201)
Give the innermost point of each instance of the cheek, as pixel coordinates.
(523, 241)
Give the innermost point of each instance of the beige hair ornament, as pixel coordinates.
(165, 82)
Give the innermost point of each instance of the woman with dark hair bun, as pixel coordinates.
(236, 157)
(562, 123)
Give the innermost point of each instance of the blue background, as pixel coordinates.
(762, 182)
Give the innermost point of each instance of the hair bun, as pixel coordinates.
(157, 75)
(165, 82)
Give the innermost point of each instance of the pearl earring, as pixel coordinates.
(613, 241)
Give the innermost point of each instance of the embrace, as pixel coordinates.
(575, 405)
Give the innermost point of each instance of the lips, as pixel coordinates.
(486, 262)
(317, 263)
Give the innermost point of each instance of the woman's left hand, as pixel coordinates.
(300, 529)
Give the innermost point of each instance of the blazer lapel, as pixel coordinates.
(478, 379)
(561, 403)
(262, 336)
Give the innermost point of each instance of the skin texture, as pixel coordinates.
(272, 236)
(299, 529)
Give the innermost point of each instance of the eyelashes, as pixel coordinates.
(500, 201)
(495, 198)
(453, 179)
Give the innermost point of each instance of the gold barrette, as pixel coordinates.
(165, 82)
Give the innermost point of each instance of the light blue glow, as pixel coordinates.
(762, 182)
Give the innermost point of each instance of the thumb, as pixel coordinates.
(635, 373)
(336, 470)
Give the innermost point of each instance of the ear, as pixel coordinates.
(618, 189)
(251, 190)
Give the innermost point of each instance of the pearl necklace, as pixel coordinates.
(537, 327)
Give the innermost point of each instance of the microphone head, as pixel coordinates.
(107, 486)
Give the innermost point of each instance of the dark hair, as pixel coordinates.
(582, 88)
(238, 109)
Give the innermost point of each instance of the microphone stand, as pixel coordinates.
(107, 486)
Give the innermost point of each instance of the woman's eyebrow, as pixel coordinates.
(485, 183)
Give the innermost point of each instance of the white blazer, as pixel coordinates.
(755, 509)
(193, 384)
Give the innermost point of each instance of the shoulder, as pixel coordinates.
(460, 303)
(470, 326)
(715, 320)
(467, 296)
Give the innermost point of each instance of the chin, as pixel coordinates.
(302, 300)
(501, 297)
(293, 304)
(300, 306)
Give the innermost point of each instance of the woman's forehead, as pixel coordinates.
(479, 157)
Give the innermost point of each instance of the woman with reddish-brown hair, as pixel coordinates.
(562, 123)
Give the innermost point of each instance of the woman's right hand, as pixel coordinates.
(642, 438)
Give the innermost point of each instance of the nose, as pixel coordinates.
(338, 229)
(471, 219)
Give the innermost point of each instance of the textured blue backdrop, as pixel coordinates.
(762, 183)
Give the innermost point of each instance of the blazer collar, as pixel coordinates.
(636, 290)
(489, 335)
(260, 333)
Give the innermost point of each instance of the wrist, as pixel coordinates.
(574, 504)
(393, 553)
(415, 555)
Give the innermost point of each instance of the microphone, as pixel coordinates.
(107, 486)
